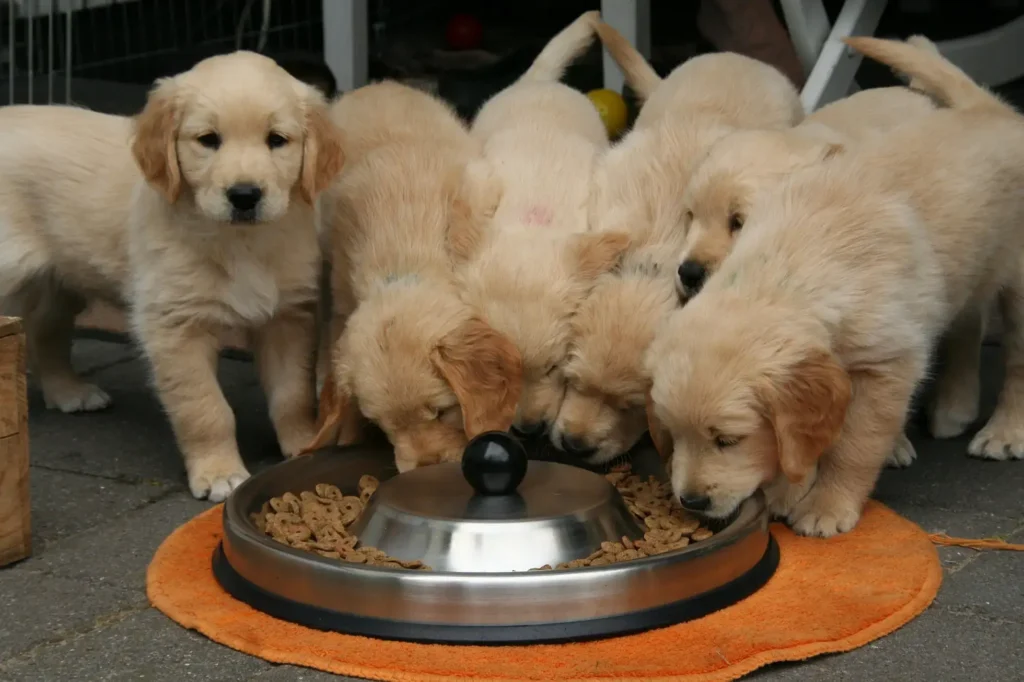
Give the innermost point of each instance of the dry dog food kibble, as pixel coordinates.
(319, 521)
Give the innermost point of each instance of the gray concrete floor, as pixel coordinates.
(107, 488)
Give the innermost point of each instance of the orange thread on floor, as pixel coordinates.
(984, 543)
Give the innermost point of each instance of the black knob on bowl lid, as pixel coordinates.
(494, 463)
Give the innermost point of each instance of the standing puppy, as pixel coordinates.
(528, 273)
(222, 235)
(818, 327)
(637, 189)
(216, 232)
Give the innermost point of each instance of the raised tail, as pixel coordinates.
(559, 53)
(640, 75)
(930, 72)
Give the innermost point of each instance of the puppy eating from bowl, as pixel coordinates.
(407, 352)
(636, 191)
(198, 217)
(794, 367)
(528, 272)
(739, 167)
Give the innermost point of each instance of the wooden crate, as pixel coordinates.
(15, 528)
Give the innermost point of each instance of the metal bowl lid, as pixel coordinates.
(496, 513)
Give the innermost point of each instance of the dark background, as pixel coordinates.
(133, 43)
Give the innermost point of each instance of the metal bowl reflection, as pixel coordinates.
(487, 605)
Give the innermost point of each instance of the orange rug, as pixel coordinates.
(827, 596)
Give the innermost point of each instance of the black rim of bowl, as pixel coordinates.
(672, 613)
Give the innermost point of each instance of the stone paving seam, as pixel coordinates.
(971, 612)
(89, 371)
(121, 478)
(101, 622)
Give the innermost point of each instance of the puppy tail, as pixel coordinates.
(640, 75)
(571, 41)
(929, 72)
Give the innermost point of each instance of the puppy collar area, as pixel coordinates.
(398, 279)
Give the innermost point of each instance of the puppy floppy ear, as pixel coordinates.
(659, 434)
(807, 410)
(338, 420)
(322, 153)
(595, 253)
(485, 371)
(475, 195)
(154, 139)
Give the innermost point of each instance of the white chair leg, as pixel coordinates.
(832, 75)
(347, 42)
(631, 18)
(808, 28)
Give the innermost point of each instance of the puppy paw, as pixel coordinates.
(214, 481)
(782, 496)
(78, 397)
(823, 514)
(950, 418)
(1002, 438)
(902, 455)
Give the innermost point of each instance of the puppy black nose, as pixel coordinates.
(531, 428)
(696, 503)
(244, 196)
(691, 275)
(577, 447)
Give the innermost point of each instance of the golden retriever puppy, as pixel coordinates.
(794, 367)
(527, 274)
(197, 215)
(637, 187)
(408, 352)
(718, 198)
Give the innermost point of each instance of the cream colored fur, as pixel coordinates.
(794, 367)
(407, 351)
(80, 221)
(637, 189)
(527, 275)
(739, 166)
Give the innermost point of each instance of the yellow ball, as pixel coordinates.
(612, 109)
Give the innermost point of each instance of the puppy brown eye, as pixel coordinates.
(274, 140)
(723, 442)
(209, 140)
(735, 222)
(550, 370)
(689, 216)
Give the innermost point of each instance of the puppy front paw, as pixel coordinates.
(824, 513)
(902, 455)
(77, 397)
(782, 496)
(215, 480)
(1001, 439)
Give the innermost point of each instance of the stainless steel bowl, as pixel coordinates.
(481, 590)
